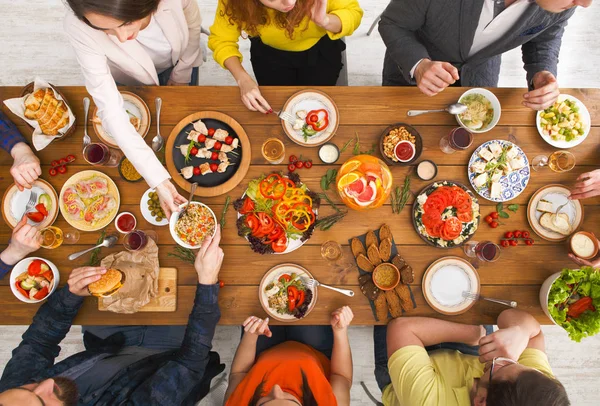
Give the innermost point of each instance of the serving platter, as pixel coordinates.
(14, 202)
(557, 195)
(586, 119)
(211, 184)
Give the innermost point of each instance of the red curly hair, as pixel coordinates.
(249, 14)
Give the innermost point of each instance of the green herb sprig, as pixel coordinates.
(223, 220)
(328, 178)
(502, 213)
(331, 203)
(94, 260)
(184, 254)
(400, 197)
(326, 223)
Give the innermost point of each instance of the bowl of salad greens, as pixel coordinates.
(571, 299)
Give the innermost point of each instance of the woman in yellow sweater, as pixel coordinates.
(293, 42)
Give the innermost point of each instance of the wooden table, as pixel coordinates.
(517, 275)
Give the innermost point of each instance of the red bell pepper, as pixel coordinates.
(580, 306)
(21, 290)
(318, 119)
(42, 293)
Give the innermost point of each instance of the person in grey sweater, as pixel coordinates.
(439, 43)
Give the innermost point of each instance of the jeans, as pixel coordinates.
(164, 76)
(382, 374)
(162, 338)
(318, 337)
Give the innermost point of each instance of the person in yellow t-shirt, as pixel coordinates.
(293, 42)
(509, 367)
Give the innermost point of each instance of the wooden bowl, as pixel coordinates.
(592, 237)
(418, 144)
(29, 89)
(383, 267)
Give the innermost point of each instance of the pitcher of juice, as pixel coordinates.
(364, 182)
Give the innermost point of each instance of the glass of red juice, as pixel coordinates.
(135, 240)
(459, 139)
(485, 251)
(99, 154)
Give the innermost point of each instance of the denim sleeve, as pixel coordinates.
(172, 382)
(40, 345)
(5, 269)
(9, 133)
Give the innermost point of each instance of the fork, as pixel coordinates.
(558, 211)
(287, 117)
(475, 297)
(313, 283)
(33, 197)
(86, 108)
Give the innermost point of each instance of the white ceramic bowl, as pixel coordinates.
(175, 217)
(21, 267)
(585, 117)
(545, 292)
(495, 104)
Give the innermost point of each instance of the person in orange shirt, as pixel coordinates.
(292, 365)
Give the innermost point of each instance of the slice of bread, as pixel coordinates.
(559, 224)
(545, 206)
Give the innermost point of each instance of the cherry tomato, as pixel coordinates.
(494, 215)
(529, 242)
(211, 132)
(514, 243)
(504, 243)
(291, 167)
(489, 219)
(508, 234)
(308, 164)
(214, 156)
(228, 140)
(213, 167)
(62, 169)
(293, 158)
(201, 138)
(218, 145)
(299, 164)
(518, 234)
(62, 161)
(494, 224)
(52, 171)
(221, 283)
(70, 158)
(54, 163)
(197, 170)
(525, 234)
(193, 151)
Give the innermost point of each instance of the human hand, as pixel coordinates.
(209, 259)
(594, 262)
(545, 94)
(80, 278)
(26, 166)
(171, 82)
(587, 185)
(256, 326)
(318, 13)
(251, 96)
(432, 76)
(25, 240)
(169, 197)
(341, 318)
(507, 342)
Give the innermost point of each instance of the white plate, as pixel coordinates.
(175, 217)
(513, 184)
(557, 195)
(21, 267)
(308, 100)
(147, 214)
(15, 201)
(444, 283)
(273, 274)
(587, 121)
(495, 105)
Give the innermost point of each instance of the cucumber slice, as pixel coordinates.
(28, 284)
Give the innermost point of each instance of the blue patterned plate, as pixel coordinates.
(513, 184)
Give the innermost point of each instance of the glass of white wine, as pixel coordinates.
(559, 161)
(53, 237)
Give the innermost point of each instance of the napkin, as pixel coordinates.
(141, 270)
(17, 106)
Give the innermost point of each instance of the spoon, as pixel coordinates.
(192, 190)
(158, 141)
(86, 108)
(454, 108)
(108, 242)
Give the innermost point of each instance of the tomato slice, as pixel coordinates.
(42, 293)
(252, 223)
(431, 218)
(21, 290)
(465, 216)
(452, 228)
(285, 278)
(292, 293)
(275, 233)
(41, 208)
(248, 206)
(463, 203)
(35, 216)
(300, 298)
(435, 203)
(280, 245)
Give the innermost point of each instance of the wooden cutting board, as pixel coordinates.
(166, 300)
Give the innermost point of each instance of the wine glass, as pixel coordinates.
(53, 237)
(99, 154)
(331, 251)
(485, 251)
(559, 161)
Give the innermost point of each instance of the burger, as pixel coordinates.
(108, 284)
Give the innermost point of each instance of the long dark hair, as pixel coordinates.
(307, 396)
(122, 10)
(531, 388)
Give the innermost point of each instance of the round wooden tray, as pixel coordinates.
(418, 144)
(234, 180)
(29, 89)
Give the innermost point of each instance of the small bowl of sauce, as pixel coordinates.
(405, 151)
(584, 245)
(386, 276)
(125, 222)
(329, 153)
(426, 170)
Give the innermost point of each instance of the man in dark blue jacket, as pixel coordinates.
(109, 372)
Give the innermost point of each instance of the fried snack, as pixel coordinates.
(364, 263)
(373, 254)
(385, 232)
(357, 247)
(393, 138)
(407, 275)
(403, 293)
(371, 239)
(385, 249)
(393, 302)
(399, 262)
(34, 100)
(50, 113)
(381, 307)
(367, 287)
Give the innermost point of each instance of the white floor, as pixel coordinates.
(32, 43)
